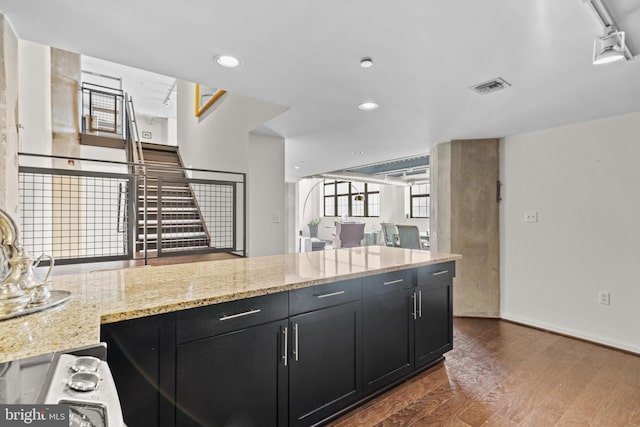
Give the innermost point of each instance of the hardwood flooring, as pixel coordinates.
(503, 374)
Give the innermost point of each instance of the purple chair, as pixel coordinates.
(348, 234)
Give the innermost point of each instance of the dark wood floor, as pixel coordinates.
(502, 374)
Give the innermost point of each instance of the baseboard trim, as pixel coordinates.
(630, 349)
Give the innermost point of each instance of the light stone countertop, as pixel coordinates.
(114, 295)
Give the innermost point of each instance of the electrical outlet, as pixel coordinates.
(275, 217)
(531, 216)
(604, 297)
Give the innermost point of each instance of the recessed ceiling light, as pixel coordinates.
(368, 106)
(296, 167)
(228, 61)
(366, 62)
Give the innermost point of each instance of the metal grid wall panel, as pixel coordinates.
(75, 214)
(102, 109)
(217, 203)
(195, 214)
(104, 210)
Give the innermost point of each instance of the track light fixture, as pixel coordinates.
(167, 99)
(611, 46)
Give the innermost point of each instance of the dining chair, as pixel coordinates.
(389, 234)
(409, 237)
(348, 234)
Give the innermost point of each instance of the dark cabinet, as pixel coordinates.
(407, 322)
(231, 363)
(388, 345)
(434, 328)
(293, 358)
(434, 319)
(324, 368)
(141, 356)
(234, 379)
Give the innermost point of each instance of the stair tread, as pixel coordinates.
(155, 209)
(185, 243)
(165, 197)
(170, 222)
(175, 236)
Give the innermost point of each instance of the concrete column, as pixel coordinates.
(8, 118)
(440, 215)
(464, 210)
(65, 126)
(65, 110)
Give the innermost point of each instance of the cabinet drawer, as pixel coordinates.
(327, 295)
(436, 273)
(216, 319)
(388, 282)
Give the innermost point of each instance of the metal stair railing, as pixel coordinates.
(134, 146)
(133, 136)
(195, 198)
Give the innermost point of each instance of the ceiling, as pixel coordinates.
(148, 90)
(305, 55)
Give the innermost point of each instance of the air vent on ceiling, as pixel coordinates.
(490, 86)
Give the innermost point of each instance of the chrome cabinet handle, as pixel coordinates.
(437, 273)
(246, 313)
(415, 308)
(332, 294)
(419, 303)
(393, 282)
(285, 333)
(295, 342)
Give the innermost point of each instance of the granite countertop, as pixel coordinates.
(114, 295)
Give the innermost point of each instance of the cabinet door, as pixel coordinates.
(324, 369)
(387, 335)
(234, 379)
(434, 323)
(141, 356)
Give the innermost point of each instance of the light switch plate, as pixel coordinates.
(531, 216)
(275, 217)
(604, 297)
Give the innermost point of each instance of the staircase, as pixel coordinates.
(181, 225)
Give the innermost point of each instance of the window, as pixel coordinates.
(339, 199)
(420, 201)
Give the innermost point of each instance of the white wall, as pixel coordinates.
(172, 131)
(103, 153)
(157, 126)
(582, 180)
(220, 140)
(34, 86)
(266, 195)
(34, 61)
(34, 115)
(290, 216)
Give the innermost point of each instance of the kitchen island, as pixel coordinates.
(175, 331)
